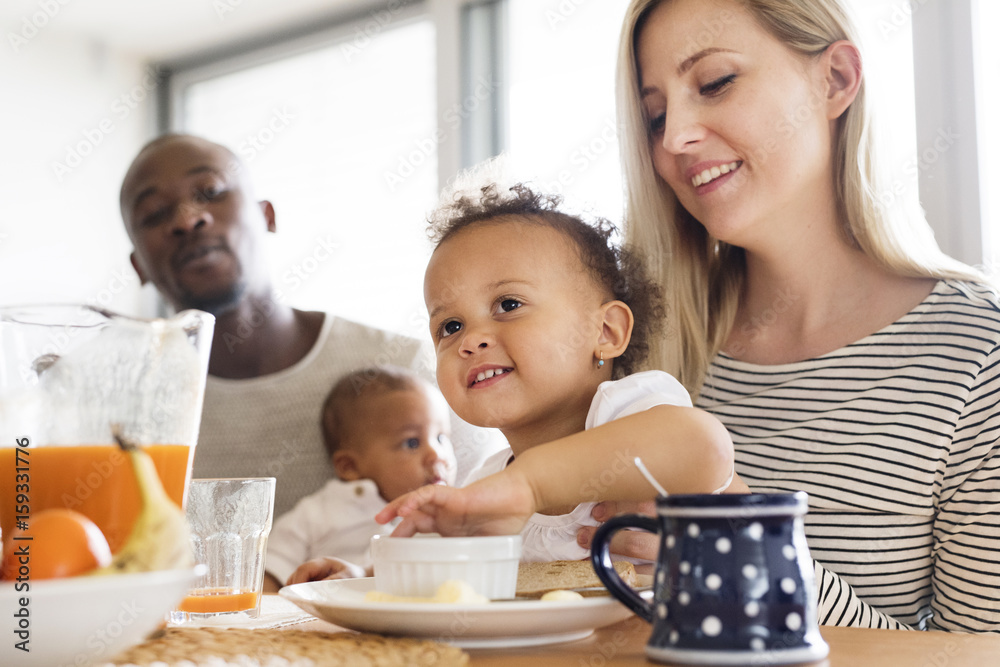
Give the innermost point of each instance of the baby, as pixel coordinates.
(540, 323)
(387, 432)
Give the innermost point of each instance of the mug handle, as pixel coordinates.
(600, 558)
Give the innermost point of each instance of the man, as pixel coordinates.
(198, 233)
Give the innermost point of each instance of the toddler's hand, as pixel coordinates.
(319, 569)
(496, 505)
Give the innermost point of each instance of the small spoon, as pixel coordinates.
(649, 477)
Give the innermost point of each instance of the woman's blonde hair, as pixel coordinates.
(701, 276)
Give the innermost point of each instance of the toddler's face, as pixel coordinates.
(401, 441)
(515, 319)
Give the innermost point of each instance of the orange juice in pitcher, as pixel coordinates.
(95, 480)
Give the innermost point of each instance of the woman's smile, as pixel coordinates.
(705, 176)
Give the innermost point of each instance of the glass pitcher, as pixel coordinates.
(71, 373)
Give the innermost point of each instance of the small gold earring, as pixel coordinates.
(601, 361)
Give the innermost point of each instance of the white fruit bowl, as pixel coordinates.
(416, 566)
(86, 620)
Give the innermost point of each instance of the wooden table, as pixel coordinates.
(623, 643)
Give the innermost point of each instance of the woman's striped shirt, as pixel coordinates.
(895, 439)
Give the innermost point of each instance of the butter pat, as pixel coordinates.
(452, 591)
(561, 596)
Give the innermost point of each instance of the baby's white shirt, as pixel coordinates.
(546, 538)
(338, 520)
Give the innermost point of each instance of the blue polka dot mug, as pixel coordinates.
(734, 582)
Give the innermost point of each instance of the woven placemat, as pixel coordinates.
(233, 647)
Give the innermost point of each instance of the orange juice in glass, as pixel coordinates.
(68, 374)
(219, 601)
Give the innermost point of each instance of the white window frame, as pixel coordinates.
(947, 137)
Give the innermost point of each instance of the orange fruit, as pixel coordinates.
(63, 543)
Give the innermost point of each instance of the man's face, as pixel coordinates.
(195, 227)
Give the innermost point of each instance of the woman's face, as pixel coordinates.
(737, 122)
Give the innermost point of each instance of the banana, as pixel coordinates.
(160, 539)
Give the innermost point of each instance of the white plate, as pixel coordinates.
(492, 625)
(86, 620)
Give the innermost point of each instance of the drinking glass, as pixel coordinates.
(230, 520)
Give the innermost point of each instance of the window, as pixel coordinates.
(352, 138)
(887, 49)
(562, 131)
(341, 137)
(986, 17)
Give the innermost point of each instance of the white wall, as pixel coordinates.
(73, 115)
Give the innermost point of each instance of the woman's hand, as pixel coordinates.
(496, 505)
(630, 543)
(319, 569)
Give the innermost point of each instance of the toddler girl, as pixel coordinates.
(539, 323)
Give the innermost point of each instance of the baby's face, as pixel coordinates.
(515, 319)
(402, 441)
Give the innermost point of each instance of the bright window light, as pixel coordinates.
(342, 140)
(987, 56)
(562, 132)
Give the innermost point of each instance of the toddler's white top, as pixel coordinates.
(547, 538)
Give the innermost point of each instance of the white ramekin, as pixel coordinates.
(416, 566)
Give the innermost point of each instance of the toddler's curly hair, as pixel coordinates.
(612, 266)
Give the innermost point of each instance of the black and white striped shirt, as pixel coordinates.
(895, 439)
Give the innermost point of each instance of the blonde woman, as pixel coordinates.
(846, 355)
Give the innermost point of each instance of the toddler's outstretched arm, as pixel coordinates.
(686, 449)
(496, 505)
